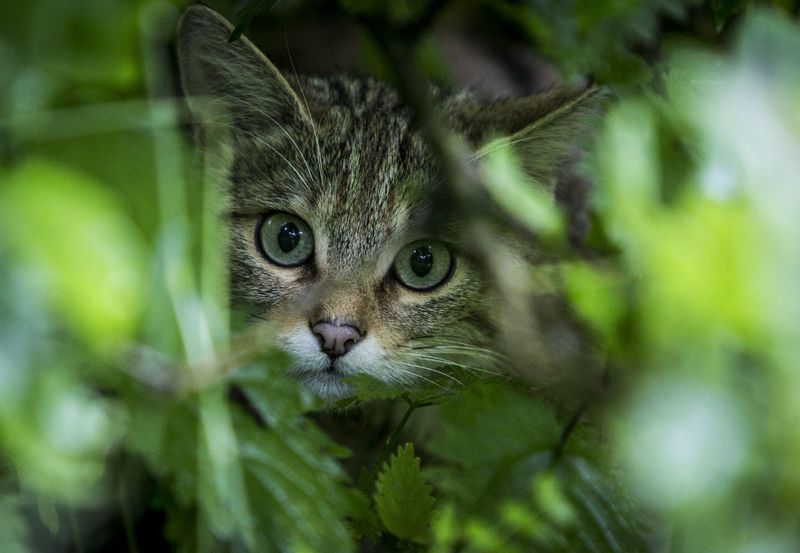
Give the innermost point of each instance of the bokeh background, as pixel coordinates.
(118, 431)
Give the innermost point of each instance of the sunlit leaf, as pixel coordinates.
(76, 237)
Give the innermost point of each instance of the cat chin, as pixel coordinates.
(327, 385)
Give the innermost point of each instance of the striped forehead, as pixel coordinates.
(372, 167)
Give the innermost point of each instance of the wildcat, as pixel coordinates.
(336, 237)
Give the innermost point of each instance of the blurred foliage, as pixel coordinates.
(132, 416)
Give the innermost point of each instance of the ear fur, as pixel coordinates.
(231, 80)
(544, 131)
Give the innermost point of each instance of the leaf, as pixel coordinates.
(275, 397)
(403, 499)
(367, 388)
(443, 384)
(724, 10)
(297, 492)
(296, 488)
(13, 529)
(491, 421)
(221, 475)
(79, 241)
(247, 13)
(363, 520)
(524, 200)
(606, 518)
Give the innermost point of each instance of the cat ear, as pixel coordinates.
(544, 131)
(231, 80)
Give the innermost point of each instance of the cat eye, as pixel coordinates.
(285, 239)
(423, 265)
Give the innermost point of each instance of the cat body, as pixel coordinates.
(336, 236)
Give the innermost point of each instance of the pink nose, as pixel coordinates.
(336, 340)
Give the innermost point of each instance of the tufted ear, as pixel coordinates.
(545, 131)
(232, 82)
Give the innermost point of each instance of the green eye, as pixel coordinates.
(423, 265)
(285, 240)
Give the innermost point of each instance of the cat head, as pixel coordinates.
(335, 237)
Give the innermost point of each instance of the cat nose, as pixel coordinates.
(336, 340)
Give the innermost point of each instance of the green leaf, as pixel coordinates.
(78, 240)
(403, 499)
(438, 386)
(524, 200)
(13, 529)
(247, 13)
(725, 9)
(296, 488)
(491, 421)
(298, 494)
(368, 388)
(605, 517)
(277, 398)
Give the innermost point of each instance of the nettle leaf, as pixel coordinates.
(364, 522)
(276, 397)
(367, 388)
(298, 492)
(447, 382)
(493, 436)
(491, 421)
(403, 499)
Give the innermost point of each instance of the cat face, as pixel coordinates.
(338, 237)
(339, 247)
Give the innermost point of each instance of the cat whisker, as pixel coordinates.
(469, 368)
(454, 347)
(417, 376)
(437, 342)
(447, 348)
(435, 354)
(429, 369)
(308, 109)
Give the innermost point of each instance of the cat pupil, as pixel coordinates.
(288, 237)
(421, 261)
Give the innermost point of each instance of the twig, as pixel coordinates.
(558, 450)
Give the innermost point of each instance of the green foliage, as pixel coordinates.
(117, 354)
(522, 199)
(466, 425)
(593, 37)
(247, 13)
(13, 530)
(290, 467)
(403, 499)
(95, 268)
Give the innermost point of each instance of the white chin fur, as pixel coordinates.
(326, 385)
(312, 367)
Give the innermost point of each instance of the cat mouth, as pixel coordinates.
(332, 369)
(328, 384)
(326, 380)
